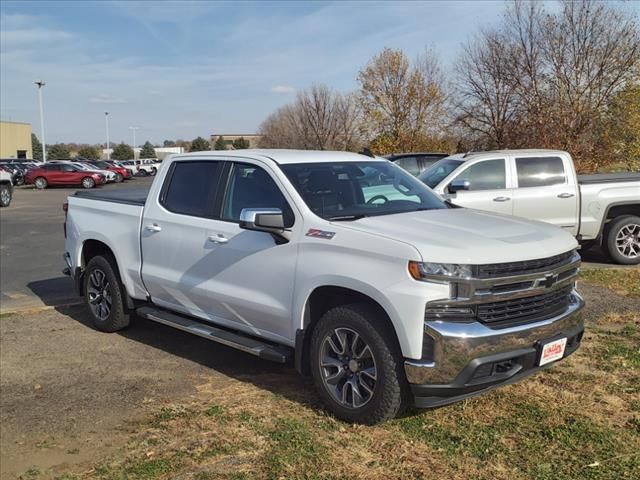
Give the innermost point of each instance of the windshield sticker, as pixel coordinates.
(314, 232)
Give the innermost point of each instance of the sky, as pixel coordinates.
(194, 68)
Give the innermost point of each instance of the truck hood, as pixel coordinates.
(469, 236)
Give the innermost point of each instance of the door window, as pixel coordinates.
(191, 188)
(249, 186)
(410, 164)
(485, 175)
(540, 171)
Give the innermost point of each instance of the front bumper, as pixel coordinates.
(471, 358)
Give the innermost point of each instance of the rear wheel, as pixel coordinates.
(104, 296)
(623, 240)
(153, 171)
(41, 183)
(119, 178)
(357, 366)
(88, 182)
(5, 195)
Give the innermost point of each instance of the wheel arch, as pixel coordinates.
(615, 210)
(92, 248)
(320, 300)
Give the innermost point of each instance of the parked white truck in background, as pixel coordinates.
(6, 188)
(374, 285)
(543, 185)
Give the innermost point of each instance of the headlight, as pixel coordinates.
(439, 271)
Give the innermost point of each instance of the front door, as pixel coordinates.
(487, 187)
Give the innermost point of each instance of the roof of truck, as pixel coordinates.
(523, 151)
(284, 156)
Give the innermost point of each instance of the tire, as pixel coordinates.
(623, 240)
(382, 395)
(153, 171)
(88, 182)
(41, 183)
(6, 192)
(119, 178)
(102, 284)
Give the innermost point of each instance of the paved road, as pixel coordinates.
(32, 243)
(31, 247)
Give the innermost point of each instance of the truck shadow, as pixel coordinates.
(276, 378)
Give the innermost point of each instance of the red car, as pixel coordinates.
(62, 174)
(121, 172)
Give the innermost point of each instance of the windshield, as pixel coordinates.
(352, 190)
(433, 175)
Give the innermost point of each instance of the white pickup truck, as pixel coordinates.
(543, 185)
(372, 284)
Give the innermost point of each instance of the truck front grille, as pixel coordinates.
(508, 313)
(523, 267)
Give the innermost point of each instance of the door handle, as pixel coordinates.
(218, 238)
(153, 228)
(566, 195)
(501, 199)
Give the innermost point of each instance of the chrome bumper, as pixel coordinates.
(457, 344)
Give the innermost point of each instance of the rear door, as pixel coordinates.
(489, 187)
(546, 190)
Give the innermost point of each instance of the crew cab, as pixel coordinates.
(543, 185)
(346, 265)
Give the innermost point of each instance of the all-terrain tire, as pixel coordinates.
(118, 316)
(391, 391)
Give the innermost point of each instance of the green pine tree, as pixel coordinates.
(147, 151)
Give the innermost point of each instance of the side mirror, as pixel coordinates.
(458, 185)
(268, 220)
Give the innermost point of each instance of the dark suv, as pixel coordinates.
(417, 162)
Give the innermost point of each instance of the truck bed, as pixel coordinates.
(129, 196)
(608, 178)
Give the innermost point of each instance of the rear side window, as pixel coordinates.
(540, 171)
(485, 175)
(191, 188)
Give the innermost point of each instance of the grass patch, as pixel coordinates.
(623, 281)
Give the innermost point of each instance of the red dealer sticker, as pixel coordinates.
(553, 351)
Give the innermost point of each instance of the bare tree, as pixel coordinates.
(487, 99)
(319, 119)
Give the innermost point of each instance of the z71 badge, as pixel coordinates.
(314, 232)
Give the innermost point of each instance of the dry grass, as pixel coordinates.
(579, 419)
(622, 281)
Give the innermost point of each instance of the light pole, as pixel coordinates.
(106, 123)
(133, 129)
(41, 84)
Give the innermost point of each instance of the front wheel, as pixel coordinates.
(103, 294)
(88, 182)
(5, 195)
(119, 178)
(623, 240)
(357, 366)
(41, 183)
(153, 171)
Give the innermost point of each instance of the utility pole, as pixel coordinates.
(106, 122)
(133, 129)
(41, 84)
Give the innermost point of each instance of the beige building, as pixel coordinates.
(15, 140)
(252, 138)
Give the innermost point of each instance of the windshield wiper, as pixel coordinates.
(346, 218)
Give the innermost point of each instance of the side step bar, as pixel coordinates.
(254, 346)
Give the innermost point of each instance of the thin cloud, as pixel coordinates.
(104, 98)
(282, 89)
